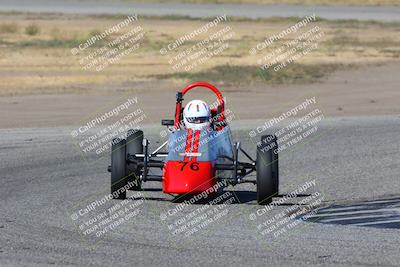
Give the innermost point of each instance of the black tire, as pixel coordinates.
(266, 168)
(275, 167)
(134, 145)
(118, 168)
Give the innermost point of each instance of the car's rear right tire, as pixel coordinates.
(267, 170)
(118, 168)
(134, 145)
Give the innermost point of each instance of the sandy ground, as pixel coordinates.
(43, 63)
(370, 90)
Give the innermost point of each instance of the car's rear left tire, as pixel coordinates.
(275, 166)
(118, 168)
(267, 170)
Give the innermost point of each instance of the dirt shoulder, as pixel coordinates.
(366, 91)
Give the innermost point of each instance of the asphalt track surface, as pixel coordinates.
(378, 13)
(45, 179)
(383, 213)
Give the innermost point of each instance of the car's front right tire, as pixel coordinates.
(118, 168)
(267, 170)
(134, 145)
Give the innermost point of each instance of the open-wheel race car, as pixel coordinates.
(199, 154)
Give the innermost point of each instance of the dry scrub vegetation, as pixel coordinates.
(35, 52)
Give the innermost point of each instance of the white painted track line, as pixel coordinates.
(355, 218)
(377, 222)
(353, 212)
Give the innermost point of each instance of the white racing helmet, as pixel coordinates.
(196, 115)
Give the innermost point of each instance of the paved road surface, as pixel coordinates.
(45, 180)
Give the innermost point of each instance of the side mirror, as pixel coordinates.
(167, 122)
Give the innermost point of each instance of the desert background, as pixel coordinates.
(353, 71)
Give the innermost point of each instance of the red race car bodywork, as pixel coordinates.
(195, 159)
(182, 177)
(190, 175)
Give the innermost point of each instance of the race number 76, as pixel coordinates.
(194, 166)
